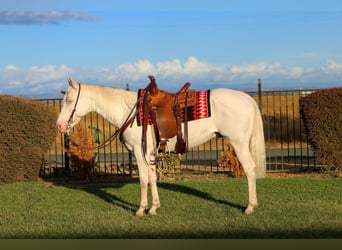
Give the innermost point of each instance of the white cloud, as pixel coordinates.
(332, 67)
(139, 70)
(296, 72)
(134, 71)
(22, 80)
(11, 67)
(193, 66)
(169, 75)
(47, 73)
(170, 68)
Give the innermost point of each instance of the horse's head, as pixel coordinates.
(73, 107)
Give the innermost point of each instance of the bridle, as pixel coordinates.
(74, 110)
(128, 122)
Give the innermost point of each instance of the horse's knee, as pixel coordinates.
(152, 177)
(250, 171)
(143, 184)
(246, 160)
(143, 178)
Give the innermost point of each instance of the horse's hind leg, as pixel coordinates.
(247, 162)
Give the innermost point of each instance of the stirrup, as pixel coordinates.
(167, 147)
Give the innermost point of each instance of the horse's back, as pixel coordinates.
(229, 100)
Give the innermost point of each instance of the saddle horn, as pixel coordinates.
(152, 87)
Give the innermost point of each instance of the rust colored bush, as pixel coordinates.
(82, 155)
(322, 115)
(27, 131)
(230, 162)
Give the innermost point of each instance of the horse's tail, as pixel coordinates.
(257, 145)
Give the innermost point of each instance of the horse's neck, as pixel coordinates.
(112, 103)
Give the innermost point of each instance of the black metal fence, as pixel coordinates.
(287, 147)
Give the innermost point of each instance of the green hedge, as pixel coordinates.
(322, 115)
(27, 130)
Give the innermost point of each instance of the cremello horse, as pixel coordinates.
(234, 115)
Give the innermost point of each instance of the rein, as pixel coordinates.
(128, 122)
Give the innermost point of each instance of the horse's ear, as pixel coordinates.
(72, 83)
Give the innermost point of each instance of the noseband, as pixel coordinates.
(73, 111)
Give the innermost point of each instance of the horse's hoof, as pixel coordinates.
(152, 213)
(248, 211)
(139, 214)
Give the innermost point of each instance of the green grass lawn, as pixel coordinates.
(301, 207)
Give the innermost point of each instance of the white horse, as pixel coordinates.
(234, 115)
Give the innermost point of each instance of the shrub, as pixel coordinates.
(27, 130)
(230, 161)
(167, 164)
(83, 154)
(322, 115)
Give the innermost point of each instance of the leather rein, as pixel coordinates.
(128, 122)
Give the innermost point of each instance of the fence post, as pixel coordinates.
(66, 157)
(259, 94)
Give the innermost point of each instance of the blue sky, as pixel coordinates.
(288, 44)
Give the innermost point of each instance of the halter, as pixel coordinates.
(74, 110)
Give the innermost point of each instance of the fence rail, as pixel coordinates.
(287, 147)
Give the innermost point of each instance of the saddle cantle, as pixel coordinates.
(164, 109)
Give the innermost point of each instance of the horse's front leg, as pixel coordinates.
(147, 175)
(143, 178)
(152, 177)
(143, 194)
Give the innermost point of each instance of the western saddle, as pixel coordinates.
(165, 110)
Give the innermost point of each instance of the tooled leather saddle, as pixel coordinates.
(164, 109)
